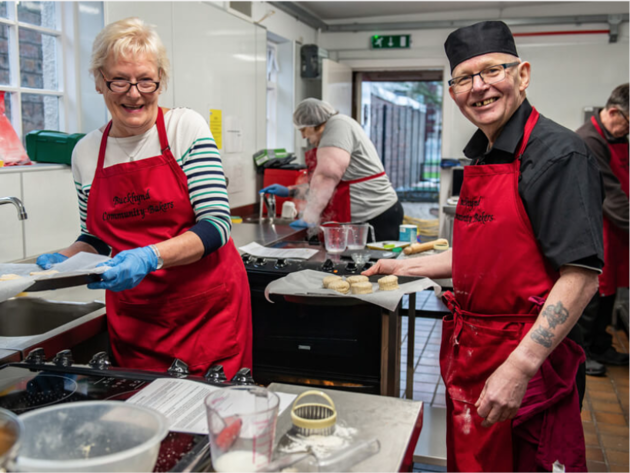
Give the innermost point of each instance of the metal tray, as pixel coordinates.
(63, 282)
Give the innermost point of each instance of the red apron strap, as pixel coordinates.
(598, 128)
(363, 179)
(101, 151)
(164, 146)
(529, 126)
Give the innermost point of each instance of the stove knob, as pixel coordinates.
(178, 369)
(328, 266)
(367, 265)
(351, 268)
(281, 263)
(100, 361)
(245, 258)
(259, 262)
(216, 374)
(36, 356)
(243, 377)
(63, 358)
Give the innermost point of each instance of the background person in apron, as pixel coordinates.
(527, 250)
(152, 191)
(606, 134)
(347, 182)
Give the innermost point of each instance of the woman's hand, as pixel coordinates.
(298, 224)
(128, 269)
(47, 260)
(383, 266)
(276, 189)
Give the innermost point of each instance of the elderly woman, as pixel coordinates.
(152, 191)
(348, 182)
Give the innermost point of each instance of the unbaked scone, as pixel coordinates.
(340, 286)
(330, 279)
(9, 277)
(361, 288)
(44, 273)
(388, 283)
(355, 279)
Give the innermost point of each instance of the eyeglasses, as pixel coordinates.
(122, 86)
(624, 117)
(490, 75)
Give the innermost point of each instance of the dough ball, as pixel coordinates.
(388, 283)
(330, 279)
(355, 279)
(44, 273)
(361, 288)
(340, 286)
(9, 277)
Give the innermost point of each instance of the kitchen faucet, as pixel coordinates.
(18, 204)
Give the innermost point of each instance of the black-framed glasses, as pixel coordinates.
(120, 86)
(624, 117)
(490, 75)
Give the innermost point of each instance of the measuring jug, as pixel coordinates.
(357, 235)
(335, 237)
(241, 426)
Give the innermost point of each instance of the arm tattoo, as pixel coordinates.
(555, 314)
(542, 336)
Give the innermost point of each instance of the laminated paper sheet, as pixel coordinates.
(309, 283)
(79, 264)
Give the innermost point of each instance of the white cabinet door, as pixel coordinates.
(53, 212)
(337, 86)
(11, 229)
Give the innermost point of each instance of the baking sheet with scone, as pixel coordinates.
(387, 294)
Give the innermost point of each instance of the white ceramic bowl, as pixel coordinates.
(91, 436)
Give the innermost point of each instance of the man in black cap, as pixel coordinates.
(527, 250)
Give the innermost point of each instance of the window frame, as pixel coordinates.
(15, 88)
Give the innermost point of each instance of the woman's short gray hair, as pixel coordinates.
(312, 112)
(129, 37)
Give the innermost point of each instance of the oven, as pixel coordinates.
(337, 345)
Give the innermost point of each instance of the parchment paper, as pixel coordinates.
(81, 263)
(309, 283)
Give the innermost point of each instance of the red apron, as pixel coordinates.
(199, 312)
(500, 278)
(616, 241)
(338, 208)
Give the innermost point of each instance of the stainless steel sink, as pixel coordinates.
(271, 221)
(26, 316)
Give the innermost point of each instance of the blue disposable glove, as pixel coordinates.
(128, 268)
(301, 224)
(46, 260)
(276, 189)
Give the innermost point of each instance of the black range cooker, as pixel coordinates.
(36, 383)
(336, 345)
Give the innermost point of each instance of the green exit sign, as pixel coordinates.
(399, 41)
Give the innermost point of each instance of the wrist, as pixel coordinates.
(525, 361)
(157, 261)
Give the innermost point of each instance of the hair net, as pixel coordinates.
(312, 112)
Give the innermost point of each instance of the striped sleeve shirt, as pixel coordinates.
(196, 152)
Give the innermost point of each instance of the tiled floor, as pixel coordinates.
(604, 414)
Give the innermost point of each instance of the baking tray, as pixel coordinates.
(50, 284)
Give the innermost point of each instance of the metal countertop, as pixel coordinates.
(263, 233)
(390, 420)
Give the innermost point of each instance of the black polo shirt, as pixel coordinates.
(560, 187)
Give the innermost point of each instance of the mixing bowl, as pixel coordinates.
(91, 436)
(11, 429)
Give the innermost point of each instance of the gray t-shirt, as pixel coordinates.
(371, 198)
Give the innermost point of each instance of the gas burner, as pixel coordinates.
(27, 393)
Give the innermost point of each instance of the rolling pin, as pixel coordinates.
(420, 247)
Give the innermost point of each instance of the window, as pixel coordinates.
(30, 64)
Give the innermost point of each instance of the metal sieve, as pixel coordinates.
(314, 418)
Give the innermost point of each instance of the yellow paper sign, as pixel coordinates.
(216, 127)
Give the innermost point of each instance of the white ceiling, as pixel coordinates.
(342, 10)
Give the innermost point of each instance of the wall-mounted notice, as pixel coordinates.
(233, 135)
(216, 127)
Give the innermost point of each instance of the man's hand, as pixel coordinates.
(503, 393)
(383, 266)
(275, 189)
